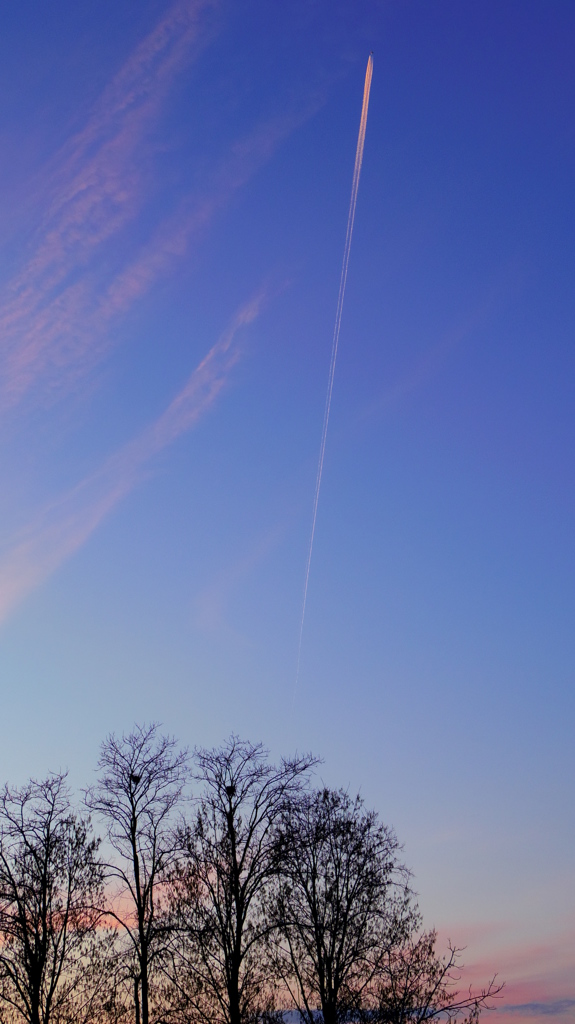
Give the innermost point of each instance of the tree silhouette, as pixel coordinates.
(142, 776)
(415, 984)
(218, 894)
(341, 897)
(50, 904)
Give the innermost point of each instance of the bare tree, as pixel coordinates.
(142, 777)
(341, 897)
(218, 893)
(414, 984)
(50, 904)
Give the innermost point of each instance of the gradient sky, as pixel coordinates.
(174, 185)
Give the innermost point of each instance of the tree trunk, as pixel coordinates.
(137, 997)
(35, 1014)
(144, 968)
(234, 998)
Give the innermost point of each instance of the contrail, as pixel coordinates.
(335, 342)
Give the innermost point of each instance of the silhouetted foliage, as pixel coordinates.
(51, 964)
(270, 899)
(142, 776)
(218, 893)
(341, 897)
(414, 984)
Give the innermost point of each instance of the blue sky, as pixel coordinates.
(174, 187)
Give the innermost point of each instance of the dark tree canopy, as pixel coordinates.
(341, 897)
(219, 892)
(414, 984)
(50, 904)
(267, 897)
(142, 777)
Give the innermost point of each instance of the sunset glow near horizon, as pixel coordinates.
(175, 181)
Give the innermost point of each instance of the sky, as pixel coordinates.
(174, 188)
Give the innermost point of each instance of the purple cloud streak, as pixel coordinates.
(58, 310)
(67, 523)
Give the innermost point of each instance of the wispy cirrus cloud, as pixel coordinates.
(171, 240)
(86, 270)
(210, 605)
(67, 523)
(538, 975)
(95, 187)
(427, 365)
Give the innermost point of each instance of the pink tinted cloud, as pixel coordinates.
(57, 317)
(536, 971)
(95, 179)
(211, 603)
(97, 186)
(539, 976)
(67, 523)
(172, 239)
(424, 368)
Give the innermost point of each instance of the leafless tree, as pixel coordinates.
(218, 893)
(341, 897)
(50, 904)
(142, 777)
(414, 984)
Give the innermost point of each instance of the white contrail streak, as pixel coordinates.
(335, 342)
